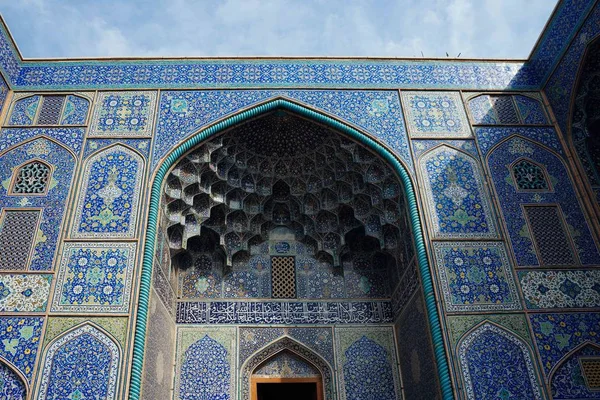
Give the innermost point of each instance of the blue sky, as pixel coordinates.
(400, 28)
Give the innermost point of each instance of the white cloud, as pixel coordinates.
(79, 28)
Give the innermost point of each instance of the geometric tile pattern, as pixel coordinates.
(52, 204)
(111, 186)
(54, 110)
(24, 293)
(19, 342)
(32, 178)
(456, 198)
(529, 176)
(475, 276)
(95, 277)
(17, 232)
(50, 110)
(123, 114)
(368, 358)
(81, 364)
(205, 363)
(570, 381)
(549, 234)
(182, 113)
(561, 289)
(11, 385)
(283, 277)
(497, 364)
(435, 115)
(563, 194)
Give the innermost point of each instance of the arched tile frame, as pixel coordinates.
(384, 152)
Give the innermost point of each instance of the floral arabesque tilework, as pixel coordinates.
(93, 145)
(24, 111)
(123, 114)
(475, 276)
(20, 340)
(455, 195)
(561, 289)
(75, 111)
(563, 194)
(95, 277)
(11, 385)
(568, 381)
(111, 186)
(24, 293)
(436, 115)
(497, 364)
(71, 138)
(52, 204)
(81, 364)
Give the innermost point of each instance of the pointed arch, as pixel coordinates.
(375, 146)
(111, 210)
(456, 195)
(286, 343)
(31, 178)
(83, 361)
(567, 380)
(495, 362)
(13, 385)
(530, 176)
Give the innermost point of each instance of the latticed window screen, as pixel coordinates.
(17, 232)
(505, 109)
(51, 110)
(550, 236)
(283, 277)
(591, 371)
(529, 176)
(32, 178)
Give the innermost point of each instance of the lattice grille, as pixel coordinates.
(548, 231)
(529, 176)
(16, 238)
(51, 110)
(505, 109)
(32, 178)
(283, 277)
(591, 371)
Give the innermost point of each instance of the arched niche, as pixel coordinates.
(12, 383)
(574, 377)
(229, 173)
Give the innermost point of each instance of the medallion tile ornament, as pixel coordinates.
(475, 276)
(123, 114)
(457, 200)
(497, 364)
(431, 115)
(81, 364)
(24, 292)
(561, 289)
(19, 342)
(111, 187)
(95, 277)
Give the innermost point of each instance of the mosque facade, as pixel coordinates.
(330, 229)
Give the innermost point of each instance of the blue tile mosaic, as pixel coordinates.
(111, 188)
(24, 292)
(435, 114)
(531, 110)
(4, 89)
(507, 110)
(123, 114)
(475, 276)
(183, 113)
(499, 162)
(19, 342)
(421, 147)
(11, 385)
(93, 145)
(286, 365)
(95, 277)
(560, 289)
(81, 364)
(52, 204)
(72, 138)
(497, 364)
(75, 111)
(568, 381)
(289, 313)
(24, 111)
(455, 193)
(557, 334)
(488, 137)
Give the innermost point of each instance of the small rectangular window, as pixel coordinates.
(17, 233)
(591, 372)
(51, 110)
(283, 277)
(549, 235)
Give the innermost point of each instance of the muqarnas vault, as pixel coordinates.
(337, 229)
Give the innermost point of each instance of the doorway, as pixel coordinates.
(287, 388)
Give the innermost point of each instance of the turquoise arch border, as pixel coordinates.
(145, 285)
